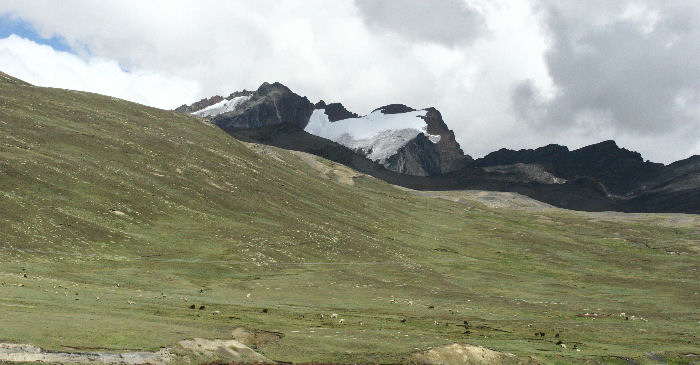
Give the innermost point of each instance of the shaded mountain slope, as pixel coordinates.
(620, 170)
(578, 194)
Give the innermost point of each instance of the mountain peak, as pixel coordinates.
(394, 109)
(335, 111)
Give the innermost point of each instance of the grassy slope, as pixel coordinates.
(96, 191)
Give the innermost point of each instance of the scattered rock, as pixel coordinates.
(594, 315)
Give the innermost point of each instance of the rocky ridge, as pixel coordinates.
(430, 150)
(389, 143)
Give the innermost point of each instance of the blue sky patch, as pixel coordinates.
(13, 25)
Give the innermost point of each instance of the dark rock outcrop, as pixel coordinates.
(452, 158)
(419, 157)
(620, 170)
(271, 104)
(335, 111)
(394, 109)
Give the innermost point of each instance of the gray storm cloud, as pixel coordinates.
(448, 22)
(628, 68)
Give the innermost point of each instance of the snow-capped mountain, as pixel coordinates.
(402, 139)
(377, 136)
(416, 149)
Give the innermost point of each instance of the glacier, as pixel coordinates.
(378, 136)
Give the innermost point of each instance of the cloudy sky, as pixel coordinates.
(504, 73)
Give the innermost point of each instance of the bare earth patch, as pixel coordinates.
(458, 354)
(29, 353)
(223, 350)
(230, 350)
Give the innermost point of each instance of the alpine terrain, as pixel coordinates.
(131, 234)
(416, 149)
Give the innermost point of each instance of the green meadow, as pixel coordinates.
(122, 216)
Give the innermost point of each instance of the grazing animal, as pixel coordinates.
(403, 320)
(563, 346)
(201, 307)
(341, 321)
(264, 310)
(216, 312)
(431, 307)
(559, 342)
(193, 306)
(556, 336)
(129, 302)
(334, 315)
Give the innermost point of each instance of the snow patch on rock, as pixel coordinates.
(377, 135)
(221, 107)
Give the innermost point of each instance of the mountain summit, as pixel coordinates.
(395, 136)
(416, 149)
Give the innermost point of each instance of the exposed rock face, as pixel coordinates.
(504, 156)
(620, 170)
(394, 109)
(271, 104)
(528, 172)
(422, 157)
(335, 111)
(452, 157)
(419, 157)
(184, 108)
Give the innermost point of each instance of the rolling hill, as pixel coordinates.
(117, 218)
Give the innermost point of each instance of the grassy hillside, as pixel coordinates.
(105, 198)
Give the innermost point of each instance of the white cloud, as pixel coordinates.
(466, 61)
(41, 65)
